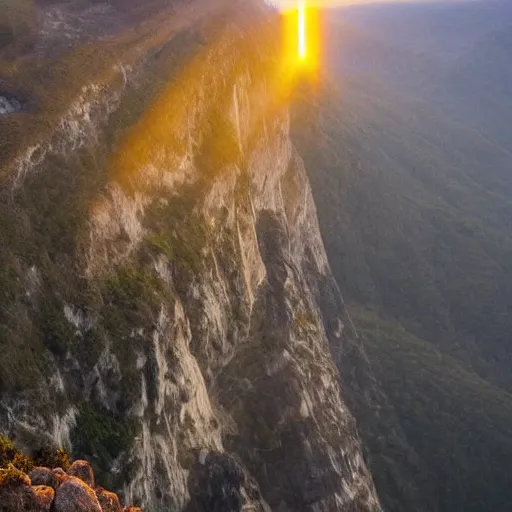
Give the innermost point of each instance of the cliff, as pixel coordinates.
(167, 308)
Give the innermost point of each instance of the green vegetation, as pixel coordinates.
(413, 225)
(101, 436)
(24, 360)
(414, 211)
(220, 146)
(57, 333)
(24, 463)
(130, 299)
(457, 427)
(51, 458)
(12, 477)
(12, 459)
(7, 451)
(179, 232)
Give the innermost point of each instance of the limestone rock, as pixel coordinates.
(74, 495)
(109, 501)
(59, 472)
(209, 246)
(83, 470)
(218, 483)
(44, 496)
(44, 476)
(17, 495)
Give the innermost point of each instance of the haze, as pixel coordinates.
(291, 4)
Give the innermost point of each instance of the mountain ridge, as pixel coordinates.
(167, 307)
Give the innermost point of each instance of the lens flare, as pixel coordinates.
(302, 29)
(301, 41)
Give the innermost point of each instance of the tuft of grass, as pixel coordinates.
(12, 477)
(23, 463)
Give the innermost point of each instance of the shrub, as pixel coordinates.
(22, 462)
(102, 437)
(7, 451)
(11, 476)
(50, 458)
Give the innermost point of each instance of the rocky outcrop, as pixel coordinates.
(17, 494)
(44, 476)
(218, 483)
(82, 469)
(45, 490)
(74, 495)
(44, 497)
(9, 104)
(108, 501)
(177, 297)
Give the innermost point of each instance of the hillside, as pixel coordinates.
(414, 201)
(457, 438)
(412, 223)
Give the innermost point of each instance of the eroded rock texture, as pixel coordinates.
(171, 278)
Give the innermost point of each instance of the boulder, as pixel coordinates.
(17, 495)
(83, 470)
(61, 475)
(44, 476)
(44, 496)
(74, 495)
(109, 501)
(18, 499)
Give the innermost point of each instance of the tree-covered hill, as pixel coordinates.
(406, 150)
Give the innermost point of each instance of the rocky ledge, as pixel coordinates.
(44, 489)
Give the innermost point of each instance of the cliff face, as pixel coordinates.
(168, 308)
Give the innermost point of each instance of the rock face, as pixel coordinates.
(180, 299)
(219, 483)
(8, 105)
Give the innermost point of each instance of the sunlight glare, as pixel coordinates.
(302, 29)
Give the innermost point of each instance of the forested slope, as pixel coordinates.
(415, 208)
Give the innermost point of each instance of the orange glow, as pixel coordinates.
(301, 39)
(302, 29)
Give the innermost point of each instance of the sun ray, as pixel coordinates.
(302, 29)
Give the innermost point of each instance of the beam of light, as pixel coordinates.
(301, 44)
(302, 29)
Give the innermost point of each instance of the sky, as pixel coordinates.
(287, 4)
